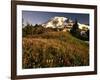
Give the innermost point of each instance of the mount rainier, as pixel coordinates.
(62, 22)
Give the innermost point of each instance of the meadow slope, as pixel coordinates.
(54, 49)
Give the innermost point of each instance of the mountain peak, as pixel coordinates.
(59, 17)
(61, 22)
(56, 22)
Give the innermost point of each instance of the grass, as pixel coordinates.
(54, 49)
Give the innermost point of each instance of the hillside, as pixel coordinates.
(54, 49)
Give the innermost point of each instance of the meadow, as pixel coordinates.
(54, 49)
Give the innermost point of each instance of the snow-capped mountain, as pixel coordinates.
(62, 22)
(56, 22)
(81, 26)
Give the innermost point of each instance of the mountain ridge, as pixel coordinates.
(62, 22)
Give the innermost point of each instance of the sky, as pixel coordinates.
(37, 17)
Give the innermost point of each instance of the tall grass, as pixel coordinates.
(54, 49)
